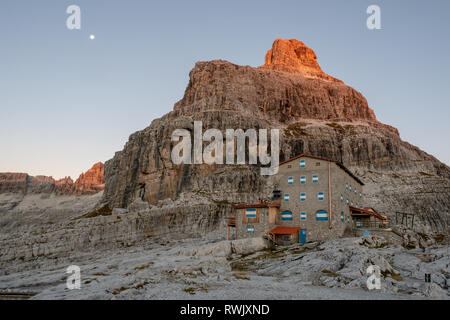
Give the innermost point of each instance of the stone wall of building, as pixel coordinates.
(260, 227)
(340, 184)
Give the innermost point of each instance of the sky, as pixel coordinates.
(67, 102)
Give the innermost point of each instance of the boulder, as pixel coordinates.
(249, 245)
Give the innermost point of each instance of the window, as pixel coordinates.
(289, 166)
(355, 191)
(250, 229)
(250, 213)
(320, 196)
(302, 163)
(317, 164)
(302, 180)
(276, 194)
(342, 198)
(303, 216)
(302, 196)
(360, 195)
(351, 203)
(342, 216)
(350, 187)
(346, 202)
(286, 197)
(315, 178)
(286, 216)
(290, 180)
(322, 215)
(346, 186)
(348, 219)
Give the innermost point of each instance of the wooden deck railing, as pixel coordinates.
(231, 221)
(370, 225)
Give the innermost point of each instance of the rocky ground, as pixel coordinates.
(152, 252)
(244, 269)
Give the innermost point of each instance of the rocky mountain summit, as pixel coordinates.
(316, 114)
(294, 56)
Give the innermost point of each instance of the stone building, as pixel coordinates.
(314, 198)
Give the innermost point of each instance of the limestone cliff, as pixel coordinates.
(316, 113)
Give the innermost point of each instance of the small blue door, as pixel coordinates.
(303, 236)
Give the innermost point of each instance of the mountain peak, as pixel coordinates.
(293, 56)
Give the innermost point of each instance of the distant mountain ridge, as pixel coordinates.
(90, 182)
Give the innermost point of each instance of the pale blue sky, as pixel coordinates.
(67, 102)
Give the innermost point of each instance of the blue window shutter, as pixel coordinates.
(303, 216)
(250, 213)
(322, 215)
(286, 216)
(302, 163)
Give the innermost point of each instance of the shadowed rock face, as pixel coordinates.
(317, 114)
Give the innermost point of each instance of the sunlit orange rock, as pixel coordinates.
(294, 56)
(92, 181)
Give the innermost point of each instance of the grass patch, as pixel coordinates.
(336, 126)
(409, 246)
(144, 266)
(190, 290)
(423, 236)
(193, 290)
(119, 290)
(300, 251)
(402, 291)
(103, 211)
(241, 276)
(141, 285)
(271, 253)
(241, 265)
(329, 273)
(396, 277)
(439, 238)
(296, 130)
(350, 130)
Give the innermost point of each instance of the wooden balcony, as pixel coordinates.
(370, 225)
(231, 221)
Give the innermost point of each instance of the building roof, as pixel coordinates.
(366, 211)
(257, 205)
(284, 230)
(339, 164)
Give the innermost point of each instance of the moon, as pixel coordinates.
(92, 37)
